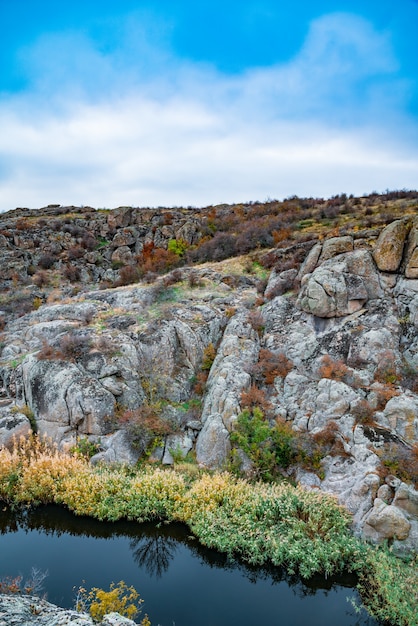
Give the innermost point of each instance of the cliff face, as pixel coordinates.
(166, 367)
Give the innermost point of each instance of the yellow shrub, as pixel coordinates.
(120, 598)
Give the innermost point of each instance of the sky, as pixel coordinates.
(109, 103)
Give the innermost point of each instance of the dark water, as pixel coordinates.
(181, 582)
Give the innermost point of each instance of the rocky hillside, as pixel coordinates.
(139, 333)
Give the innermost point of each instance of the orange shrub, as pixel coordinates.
(155, 260)
(255, 397)
(331, 368)
(200, 384)
(384, 393)
(256, 320)
(363, 412)
(386, 371)
(127, 275)
(209, 354)
(282, 234)
(271, 365)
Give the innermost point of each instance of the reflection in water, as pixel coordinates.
(154, 546)
(154, 553)
(160, 552)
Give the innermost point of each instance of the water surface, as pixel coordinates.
(181, 582)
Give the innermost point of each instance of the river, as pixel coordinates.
(181, 582)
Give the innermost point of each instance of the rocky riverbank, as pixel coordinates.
(33, 611)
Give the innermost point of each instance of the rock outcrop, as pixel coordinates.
(227, 379)
(349, 339)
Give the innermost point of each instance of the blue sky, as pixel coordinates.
(123, 102)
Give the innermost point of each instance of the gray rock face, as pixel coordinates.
(64, 400)
(363, 342)
(117, 355)
(340, 286)
(401, 416)
(32, 611)
(227, 379)
(213, 446)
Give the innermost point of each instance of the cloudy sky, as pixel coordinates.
(174, 102)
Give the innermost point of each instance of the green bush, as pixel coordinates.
(269, 448)
(86, 448)
(177, 246)
(388, 587)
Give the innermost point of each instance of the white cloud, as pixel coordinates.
(316, 126)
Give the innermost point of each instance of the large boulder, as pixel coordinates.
(328, 292)
(411, 256)
(384, 522)
(311, 261)
(325, 294)
(115, 448)
(340, 286)
(213, 445)
(280, 282)
(389, 248)
(334, 246)
(124, 237)
(406, 498)
(178, 444)
(123, 256)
